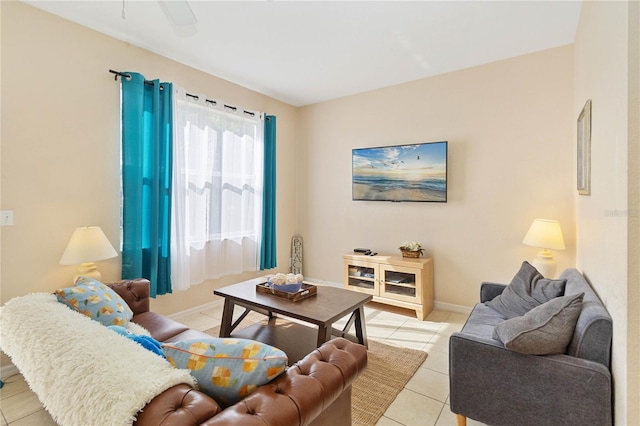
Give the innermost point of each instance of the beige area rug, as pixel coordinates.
(389, 368)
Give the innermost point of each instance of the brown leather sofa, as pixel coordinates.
(314, 391)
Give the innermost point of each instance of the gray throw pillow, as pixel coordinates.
(527, 290)
(544, 330)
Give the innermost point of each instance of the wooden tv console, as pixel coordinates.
(393, 280)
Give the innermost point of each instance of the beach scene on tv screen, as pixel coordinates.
(416, 172)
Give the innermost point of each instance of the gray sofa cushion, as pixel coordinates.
(544, 330)
(527, 290)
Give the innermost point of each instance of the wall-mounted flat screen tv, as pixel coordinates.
(416, 172)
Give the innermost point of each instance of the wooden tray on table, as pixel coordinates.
(307, 290)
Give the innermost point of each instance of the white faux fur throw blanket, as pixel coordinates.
(83, 373)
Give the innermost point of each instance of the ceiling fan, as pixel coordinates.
(178, 12)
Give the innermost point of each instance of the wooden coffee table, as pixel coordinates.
(322, 310)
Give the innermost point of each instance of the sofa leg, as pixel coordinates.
(462, 420)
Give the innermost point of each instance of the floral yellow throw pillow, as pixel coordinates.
(227, 369)
(97, 301)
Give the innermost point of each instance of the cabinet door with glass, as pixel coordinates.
(401, 283)
(361, 276)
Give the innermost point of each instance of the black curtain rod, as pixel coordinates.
(196, 97)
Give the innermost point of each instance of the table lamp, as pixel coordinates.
(546, 234)
(87, 245)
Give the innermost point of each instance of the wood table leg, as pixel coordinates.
(324, 334)
(227, 318)
(462, 420)
(361, 328)
(349, 323)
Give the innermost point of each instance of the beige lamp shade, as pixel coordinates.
(546, 234)
(87, 245)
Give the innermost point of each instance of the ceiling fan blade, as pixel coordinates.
(178, 12)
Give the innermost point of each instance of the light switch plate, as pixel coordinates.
(6, 217)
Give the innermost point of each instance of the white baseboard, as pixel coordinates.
(450, 307)
(211, 305)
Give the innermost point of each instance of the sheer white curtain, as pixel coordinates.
(217, 190)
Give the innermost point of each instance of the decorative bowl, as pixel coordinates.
(289, 288)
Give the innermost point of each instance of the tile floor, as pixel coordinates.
(422, 402)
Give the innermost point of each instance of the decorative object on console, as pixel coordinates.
(416, 172)
(584, 150)
(411, 249)
(546, 234)
(86, 246)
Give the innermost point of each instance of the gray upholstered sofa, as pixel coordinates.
(498, 386)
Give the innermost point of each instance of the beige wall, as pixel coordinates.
(511, 132)
(606, 71)
(509, 127)
(633, 283)
(60, 146)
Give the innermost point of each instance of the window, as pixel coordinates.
(217, 190)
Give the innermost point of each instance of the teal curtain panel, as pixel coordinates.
(268, 255)
(147, 135)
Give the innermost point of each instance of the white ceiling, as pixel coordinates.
(303, 52)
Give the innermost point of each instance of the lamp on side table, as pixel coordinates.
(86, 246)
(546, 234)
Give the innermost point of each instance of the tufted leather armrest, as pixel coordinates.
(135, 293)
(179, 405)
(299, 395)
